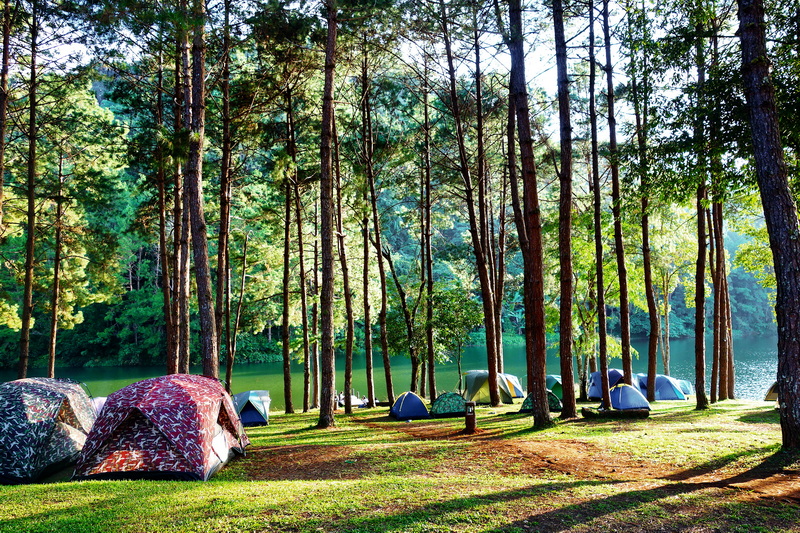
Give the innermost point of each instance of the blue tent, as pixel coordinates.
(409, 406)
(624, 396)
(667, 388)
(686, 387)
(253, 407)
(595, 383)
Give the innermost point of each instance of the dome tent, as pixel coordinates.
(553, 403)
(476, 383)
(178, 426)
(624, 396)
(43, 427)
(253, 407)
(554, 384)
(409, 406)
(667, 388)
(448, 404)
(596, 384)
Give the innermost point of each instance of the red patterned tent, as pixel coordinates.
(171, 427)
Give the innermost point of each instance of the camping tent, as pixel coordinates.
(772, 393)
(477, 387)
(686, 387)
(624, 396)
(409, 406)
(667, 388)
(253, 407)
(448, 404)
(43, 427)
(552, 401)
(554, 384)
(171, 427)
(595, 382)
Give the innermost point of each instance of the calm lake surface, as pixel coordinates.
(756, 360)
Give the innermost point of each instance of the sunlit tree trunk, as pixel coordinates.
(285, 333)
(598, 229)
(194, 193)
(780, 210)
(616, 207)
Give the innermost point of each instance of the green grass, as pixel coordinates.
(372, 474)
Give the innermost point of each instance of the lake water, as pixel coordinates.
(756, 360)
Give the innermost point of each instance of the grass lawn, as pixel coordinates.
(679, 470)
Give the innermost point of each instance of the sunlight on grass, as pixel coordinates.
(441, 482)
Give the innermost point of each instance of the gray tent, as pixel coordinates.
(43, 427)
(253, 407)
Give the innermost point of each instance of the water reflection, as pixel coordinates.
(755, 360)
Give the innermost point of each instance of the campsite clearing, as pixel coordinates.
(679, 470)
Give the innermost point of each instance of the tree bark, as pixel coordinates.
(348, 295)
(30, 191)
(598, 229)
(55, 299)
(564, 217)
(285, 334)
(474, 210)
(327, 363)
(4, 71)
(780, 211)
(616, 207)
(194, 193)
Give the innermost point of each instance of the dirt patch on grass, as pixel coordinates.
(486, 451)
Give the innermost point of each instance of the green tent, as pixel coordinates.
(552, 400)
(554, 384)
(477, 386)
(447, 405)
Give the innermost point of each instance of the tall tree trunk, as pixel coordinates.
(598, 220)
(700, 304)
(232, 331)
(564, 217)
(348, 295)
(298, 208)
(30, 191)
(780, 210)
(427, 237)
(641, 97)
(194, 193)
(4, 70)
(314, 366)
(474, 210)
(55, 299)
(616, 207)
(182, 229)
(223, 242)
(366, 154)
(716, 368)
(163, 250)
(285, 333)
(700, 270)
(327, 363)
(377, 242)
(531, 216)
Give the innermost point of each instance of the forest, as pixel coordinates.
(188, 182)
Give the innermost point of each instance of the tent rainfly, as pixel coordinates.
(448, 405)
(553, 403)
(595, 382)
(409, 406)
(477, 386)
(624, 396)
(171, 427)
(43, 427)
